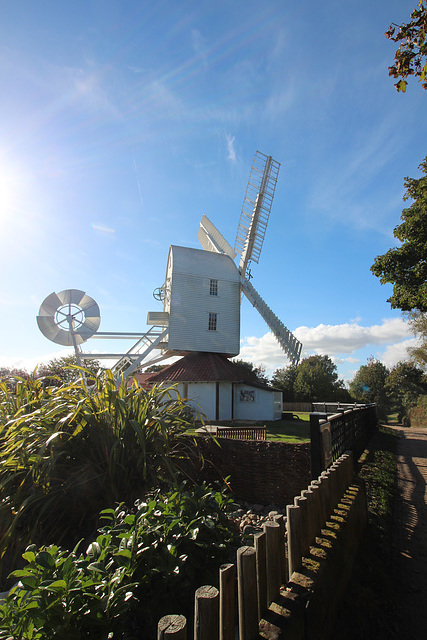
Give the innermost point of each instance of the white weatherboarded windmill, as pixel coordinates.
(201, 294)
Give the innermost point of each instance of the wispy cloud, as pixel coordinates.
(199, 45)
(230, 148)
(103, 229)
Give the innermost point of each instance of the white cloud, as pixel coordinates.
(348, 337)
(230, 147)
(340, 342)
(394, 353)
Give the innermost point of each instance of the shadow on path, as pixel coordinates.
(410, 534)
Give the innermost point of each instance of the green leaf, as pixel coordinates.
(57, 585)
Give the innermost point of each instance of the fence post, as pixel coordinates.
(272, 530)
(319, 485)
(302, 503)
(316, 443)
(172, 627)
(293, 525)
(247, 594)
(206, 613)
(261, 572)
(227, 579)
(282, 547)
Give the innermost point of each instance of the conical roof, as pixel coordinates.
(205, 367)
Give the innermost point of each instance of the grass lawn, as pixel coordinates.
(293, 431)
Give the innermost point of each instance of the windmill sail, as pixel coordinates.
(284, 337)
(256, 209)
(212, 240)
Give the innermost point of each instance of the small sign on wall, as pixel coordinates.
(247, 395)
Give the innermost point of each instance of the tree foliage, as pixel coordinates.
(64, 370)
(314, 379)
(317, 379)
(368, 385)
(418, 325)
(258, 371)
(406, 266)
(284, 379)
(403, 386)
(411, 56)
(13, 372)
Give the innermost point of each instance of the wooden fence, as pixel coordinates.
(349, 428)
(261, 571)
(242, 433)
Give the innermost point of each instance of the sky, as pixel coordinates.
(122, 123)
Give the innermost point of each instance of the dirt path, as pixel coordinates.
(410, 534)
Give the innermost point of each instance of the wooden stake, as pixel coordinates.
(247, 594)
(172, 627)
(272, 529)
(227, 587)
(260, 541)
(206, 614)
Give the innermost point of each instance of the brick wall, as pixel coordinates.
(260, 472)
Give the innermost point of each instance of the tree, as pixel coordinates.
(418, 325)
(251, 369)
(406, 266)
(11, 372)
(284, 379)
(368, 385)
(154, 368)
(411, 56)
(317, 379)
(404, 385)
(62, 371)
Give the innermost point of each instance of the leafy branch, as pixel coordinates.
(411, 56)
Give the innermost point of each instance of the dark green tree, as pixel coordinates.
(61, 369)
(418, 325)
(404, 385)
(154, 368)
(254, 370)
(284, 379)
(411, 56)
(405, 267)
(368, 385)
(317, 380)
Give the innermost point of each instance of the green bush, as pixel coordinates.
(142, 559)
(418, 414)
(68, 452)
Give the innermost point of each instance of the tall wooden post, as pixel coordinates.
(206, 613)
(247, 594)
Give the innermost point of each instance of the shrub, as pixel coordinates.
(418, 414)
(143, 557)
(69, 452)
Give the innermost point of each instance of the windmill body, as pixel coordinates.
(200, 296)
(201, 305)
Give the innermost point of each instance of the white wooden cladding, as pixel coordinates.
(189, 301)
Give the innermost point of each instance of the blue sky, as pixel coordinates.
(123, 122)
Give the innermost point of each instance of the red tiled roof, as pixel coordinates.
(204, 367)
(141, 378)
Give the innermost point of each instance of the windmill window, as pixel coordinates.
(212, 321)
(213, 287)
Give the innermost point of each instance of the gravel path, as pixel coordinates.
(410, 534)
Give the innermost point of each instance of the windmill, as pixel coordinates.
(201, 294)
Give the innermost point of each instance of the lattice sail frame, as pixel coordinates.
(256, 209)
